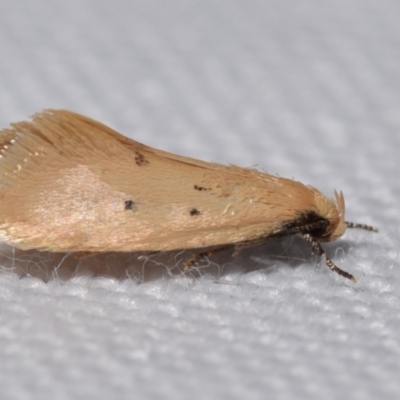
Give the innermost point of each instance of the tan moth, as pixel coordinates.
(71, 184)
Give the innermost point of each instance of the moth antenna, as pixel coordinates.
(361, 226)
(317, 249)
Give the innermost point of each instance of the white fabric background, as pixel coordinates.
(307, 89)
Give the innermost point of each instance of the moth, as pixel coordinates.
(71, 184)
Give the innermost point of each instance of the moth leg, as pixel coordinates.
(148, 253)
(317, 249)
(204, 254)
(239, 247)
(83, 254)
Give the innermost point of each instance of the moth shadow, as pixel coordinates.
(143, 267)
(291, 252)
(47, 265)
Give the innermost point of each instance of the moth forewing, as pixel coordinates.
(71, 184)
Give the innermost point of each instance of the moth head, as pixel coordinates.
(335, 214)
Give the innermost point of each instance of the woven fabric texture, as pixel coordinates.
(309, 90)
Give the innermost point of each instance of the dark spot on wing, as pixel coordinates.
(194, 211)
(129, 204)
(201, 188)
(140, 159)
